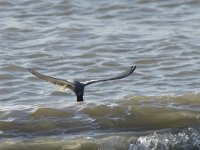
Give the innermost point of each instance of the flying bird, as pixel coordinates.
(76, 86)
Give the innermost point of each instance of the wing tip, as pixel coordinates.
(30, 70)
(133, 68)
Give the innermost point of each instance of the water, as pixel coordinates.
(155, 108)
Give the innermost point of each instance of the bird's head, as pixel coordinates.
(79, 91)
(79, 96)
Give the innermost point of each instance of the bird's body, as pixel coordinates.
(76, 86)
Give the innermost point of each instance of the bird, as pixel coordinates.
(76, 86)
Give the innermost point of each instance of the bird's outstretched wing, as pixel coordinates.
(123, 75)
(56, 81)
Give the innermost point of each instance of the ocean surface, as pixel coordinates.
(155, 108)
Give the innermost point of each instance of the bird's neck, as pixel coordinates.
(79, 98)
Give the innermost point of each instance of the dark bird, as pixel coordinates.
(76, 86)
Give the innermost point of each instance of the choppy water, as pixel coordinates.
(158, 107)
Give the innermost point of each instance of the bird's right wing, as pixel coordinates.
(55, 81)
(120, 76)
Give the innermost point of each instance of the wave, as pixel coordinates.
(138, 113)
(185, 138)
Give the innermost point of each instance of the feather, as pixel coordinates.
(122, 75)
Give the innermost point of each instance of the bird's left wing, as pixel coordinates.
(56, 81)
(120, 76)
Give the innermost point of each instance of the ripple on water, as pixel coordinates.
(94, 40)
